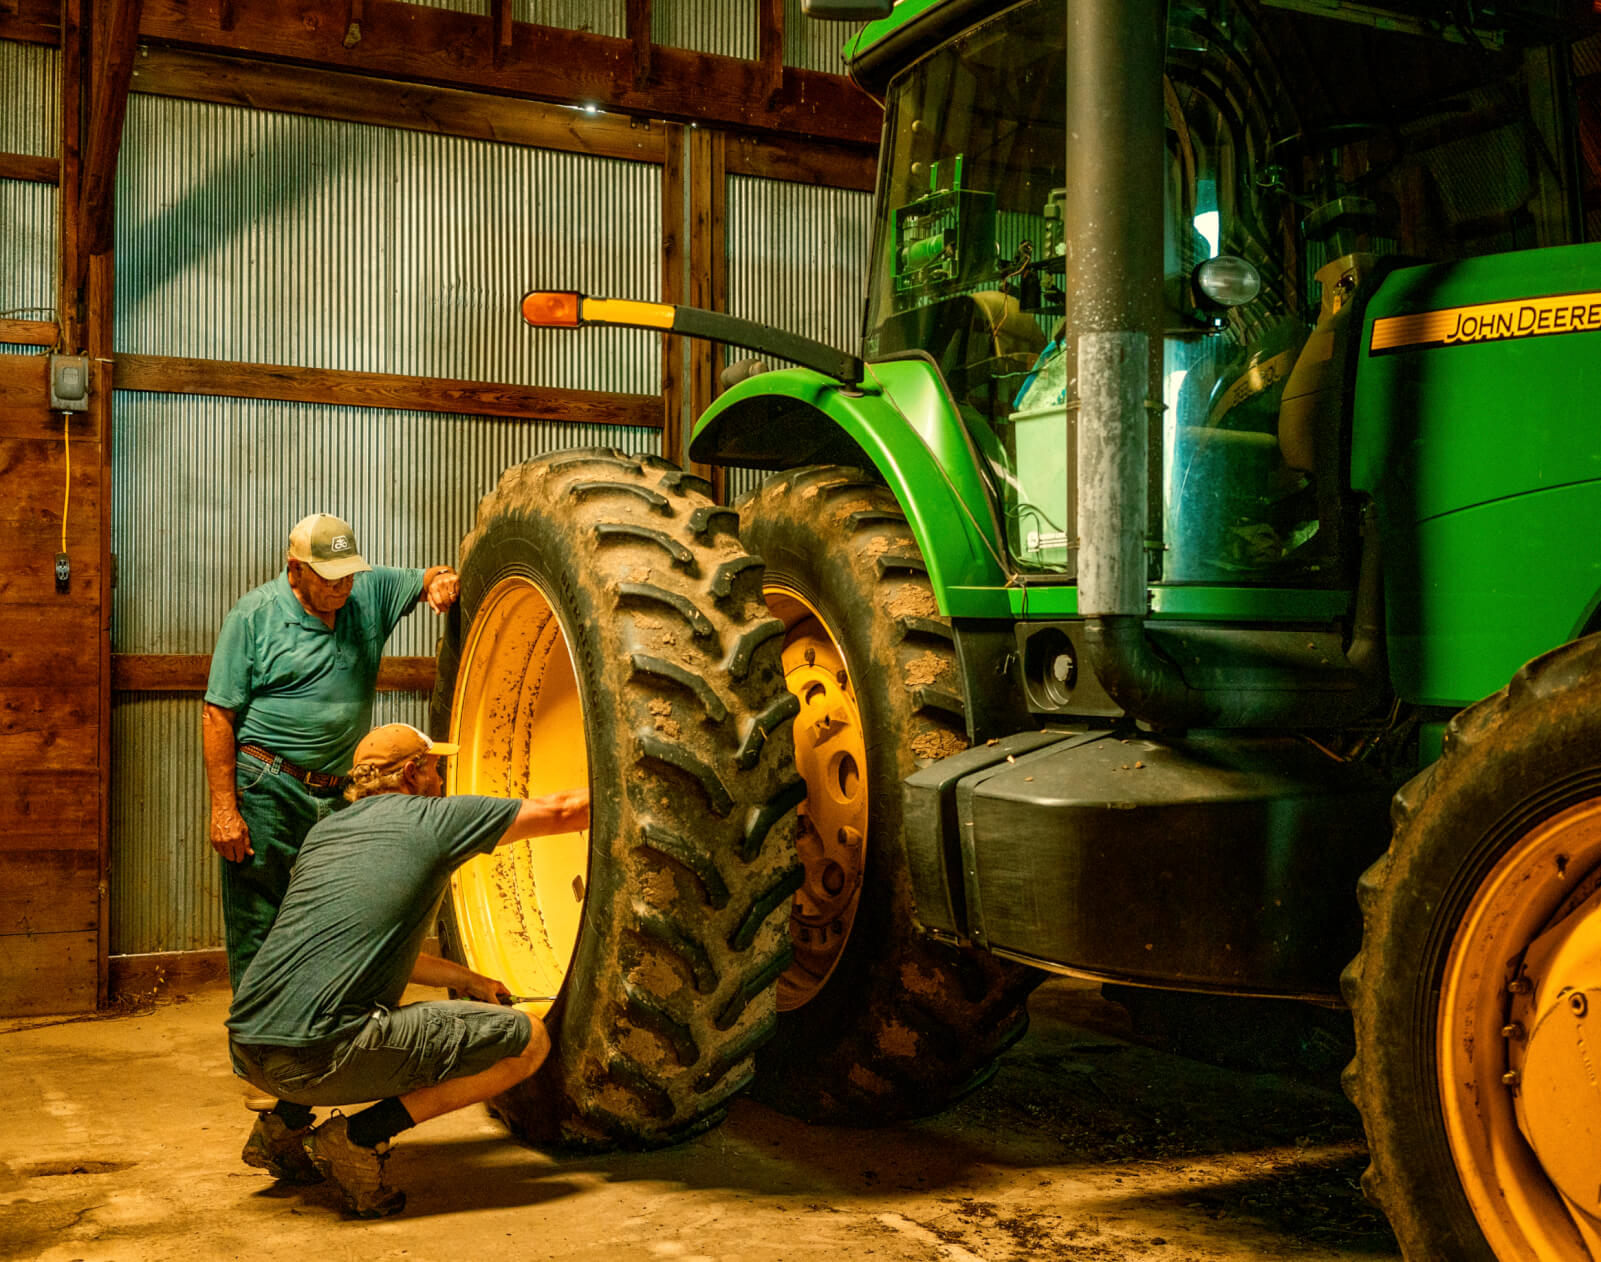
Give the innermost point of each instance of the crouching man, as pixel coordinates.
(315, 1019)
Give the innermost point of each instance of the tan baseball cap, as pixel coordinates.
(392, 746)
(328, 545)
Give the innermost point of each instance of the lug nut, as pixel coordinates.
(1513, 1031)
(1511, 1078)
(1520, 986)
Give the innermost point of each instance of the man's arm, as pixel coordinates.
(440, 587)
(430, 970)
(230, 836)
(563, 812)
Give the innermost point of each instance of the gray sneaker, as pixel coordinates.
(280, 1151)
(358, 1171)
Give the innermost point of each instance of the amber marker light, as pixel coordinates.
(552, 308)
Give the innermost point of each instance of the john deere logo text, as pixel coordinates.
(1489, 322)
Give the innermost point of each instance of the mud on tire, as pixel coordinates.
(902, 1025)
(690, 865)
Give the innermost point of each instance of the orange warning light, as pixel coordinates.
(552, 308)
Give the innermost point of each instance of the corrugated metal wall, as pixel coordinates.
(280, 239)
(813, 45)
(27, 211)
(727, 27)
(28, 88)
(797, 259)
(599, 17)
(206, 489)
(272, 238)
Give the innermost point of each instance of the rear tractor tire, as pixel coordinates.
(1477, 993)
(876, 1021)
(611, 631)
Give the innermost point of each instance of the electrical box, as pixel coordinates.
(69, 383)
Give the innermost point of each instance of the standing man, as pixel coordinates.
(291, 690)
(315, 1019)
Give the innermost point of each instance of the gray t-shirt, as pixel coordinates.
(359, 905)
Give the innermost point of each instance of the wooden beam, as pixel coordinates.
(163, 375)
(108, 97)
(429, 45)
(387, 103)
(187, 672)
(29, 332)
(27, 166)
(638, 26)
(803, 162)
(166, 973)
(32, 22)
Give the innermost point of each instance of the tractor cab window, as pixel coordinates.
(1303, 157)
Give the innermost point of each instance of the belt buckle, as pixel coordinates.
(277, 765)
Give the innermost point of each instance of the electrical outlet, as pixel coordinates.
(63, 573)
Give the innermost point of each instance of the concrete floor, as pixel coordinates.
(120, 1137)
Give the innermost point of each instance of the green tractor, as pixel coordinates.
(1140, 604)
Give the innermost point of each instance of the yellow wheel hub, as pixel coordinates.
(518, 718)
(1520, 1044)
(831, 756)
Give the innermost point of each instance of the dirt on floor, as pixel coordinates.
(120, 1137)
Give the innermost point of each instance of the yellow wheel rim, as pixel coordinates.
(519, 720)
(831, 756)
(1522, 1112)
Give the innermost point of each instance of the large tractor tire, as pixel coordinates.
(876, 1021)
(611, 630)
(1476, 1043)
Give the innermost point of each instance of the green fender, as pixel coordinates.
(902, 421)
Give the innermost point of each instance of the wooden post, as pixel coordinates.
(638, 27)
(708, 252)
(770, 47)
(674, 234)
(117, 41)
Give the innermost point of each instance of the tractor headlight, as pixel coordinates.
(1226, 281)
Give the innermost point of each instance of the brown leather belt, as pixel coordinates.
(278, 763)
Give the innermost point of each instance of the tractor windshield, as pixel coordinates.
(1302, 153)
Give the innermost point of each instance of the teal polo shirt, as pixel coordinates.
(298, 687)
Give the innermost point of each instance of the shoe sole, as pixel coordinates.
(261, 1161)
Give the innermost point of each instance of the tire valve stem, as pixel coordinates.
(811, 657)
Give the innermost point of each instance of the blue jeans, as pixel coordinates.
(393, 1052)
(279, 811)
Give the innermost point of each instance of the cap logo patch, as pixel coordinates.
(339, 543)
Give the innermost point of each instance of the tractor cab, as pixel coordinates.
(1304, 159)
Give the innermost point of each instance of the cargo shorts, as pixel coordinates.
(395, 1051)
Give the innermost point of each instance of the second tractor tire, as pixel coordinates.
(899, 1025)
